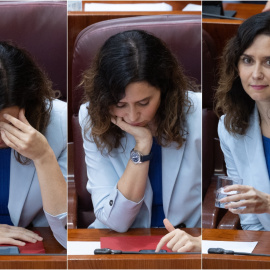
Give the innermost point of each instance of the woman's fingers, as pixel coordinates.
(13, 141)
(11, 241)
(6, 140)
(180, 241)
(22, 117)
(239, 188)
(164, 240)
(168, 225)
(17, 123)
(18, 233)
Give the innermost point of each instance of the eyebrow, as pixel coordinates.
(135, 101)
(249, 55)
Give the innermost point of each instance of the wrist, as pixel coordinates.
(144, 147)
(46, 157)
(268, 203)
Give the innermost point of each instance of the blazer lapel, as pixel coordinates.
(257, 162)
(255, 154)
(21, 177)
(171, 162)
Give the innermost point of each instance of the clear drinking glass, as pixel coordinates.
(223, 181)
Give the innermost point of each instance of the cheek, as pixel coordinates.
(150, 112)
(116, 112)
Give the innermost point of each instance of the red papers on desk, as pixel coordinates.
(30, 248)
(132, 243)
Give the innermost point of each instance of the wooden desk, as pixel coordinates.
(217, 261)
(127, 261)
(221, 30)
(51, 246)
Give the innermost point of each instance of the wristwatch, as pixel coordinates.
(136, 157)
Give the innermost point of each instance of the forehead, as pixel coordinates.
(260, 45)
(139, 90)
(14, 111)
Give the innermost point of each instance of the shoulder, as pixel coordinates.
(196, 99)
(56, 131)
(58, 115)
(83, 114)
(194, 111)
(59, 109)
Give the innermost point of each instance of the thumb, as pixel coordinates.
(22, 116)
(168, 225)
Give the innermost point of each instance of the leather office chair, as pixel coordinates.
(213, 159)
(182, 33)
(40, 28)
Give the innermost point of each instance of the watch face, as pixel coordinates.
(135, 157)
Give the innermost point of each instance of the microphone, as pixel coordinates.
(101, 251)
(231, 252)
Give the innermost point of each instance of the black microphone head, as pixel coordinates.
(216, 251)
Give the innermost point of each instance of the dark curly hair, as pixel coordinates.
(135, 56)
(24, 84)
(231, 98)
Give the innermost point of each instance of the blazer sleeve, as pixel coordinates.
(248, 221)
(58, 223)
(110, 206)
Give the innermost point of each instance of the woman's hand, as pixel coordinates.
(23, 138)
(142, 135)
(253, 200)
(178, 240)
(267, 6)
(12, 235)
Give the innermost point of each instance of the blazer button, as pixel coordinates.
(111, 202)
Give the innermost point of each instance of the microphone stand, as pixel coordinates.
(101, 251)
(231, 252)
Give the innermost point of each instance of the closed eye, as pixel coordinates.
(120, 105)
(144, 103)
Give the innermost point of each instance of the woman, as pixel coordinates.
(32, 150)
(141, 130)
(244, 97)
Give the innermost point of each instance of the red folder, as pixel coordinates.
(132, 243)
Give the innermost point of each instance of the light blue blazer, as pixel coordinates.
(181, 179)
(25, 202)
(245, 158)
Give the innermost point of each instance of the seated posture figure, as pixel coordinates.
(33, 156)
(243, 96)
(142, 139)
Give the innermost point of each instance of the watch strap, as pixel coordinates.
(146, 157)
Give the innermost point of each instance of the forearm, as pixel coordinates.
(132, 183)
(52, 184)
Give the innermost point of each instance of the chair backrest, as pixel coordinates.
(40, 28)
(182, 33)
(209, 118)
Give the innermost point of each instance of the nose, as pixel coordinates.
(133, 114)
(257, 72)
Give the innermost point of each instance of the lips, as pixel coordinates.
(141, 124)
(258, 87)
